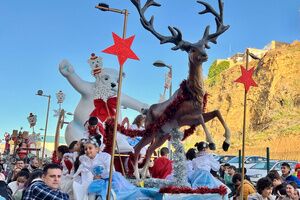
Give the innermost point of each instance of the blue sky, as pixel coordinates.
(36, 35)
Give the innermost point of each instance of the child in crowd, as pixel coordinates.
(90, 162)
(18, 185)
(264, 188)
(248, 188)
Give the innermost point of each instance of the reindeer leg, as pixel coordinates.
(144, 141)
(216, 113)
(159, 140)
(211, 145)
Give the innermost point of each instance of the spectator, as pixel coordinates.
(35, 175)
(162, 166)
(49, 187)
(286, 174)
(33, 164)
(18, 185)
(297, 170)
(5, 191)
(291, 192)
(264, 188)
(278, 185)
(223, 169)
(248, 187)
(20, 164)
(228, 179)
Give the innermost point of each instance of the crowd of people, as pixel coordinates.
(81, 172)
(272, 187)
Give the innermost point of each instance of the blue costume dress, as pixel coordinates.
(201, 176)
(121, 188)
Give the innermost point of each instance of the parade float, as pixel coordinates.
(102, 99)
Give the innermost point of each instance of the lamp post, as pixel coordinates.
(41, 93)
(105, 7)
(160, 63)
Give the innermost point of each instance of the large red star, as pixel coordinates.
(121, 48)
(246, 78)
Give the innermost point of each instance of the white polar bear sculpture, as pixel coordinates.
(103, 88)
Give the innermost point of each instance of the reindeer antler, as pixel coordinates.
(176, 37)
(219, 22)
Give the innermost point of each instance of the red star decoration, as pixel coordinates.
(246, 78)
(121, 48)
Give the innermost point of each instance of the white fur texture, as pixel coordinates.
(101, 88)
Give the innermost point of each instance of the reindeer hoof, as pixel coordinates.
(225, 146)
(212, 146)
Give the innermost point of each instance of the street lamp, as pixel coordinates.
(105, 7)
(160, 63)
(41, 93)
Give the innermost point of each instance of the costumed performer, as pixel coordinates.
(67, 162)
(94, 170)
(202, 165)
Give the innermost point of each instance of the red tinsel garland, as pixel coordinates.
(169, 112)
(199, 190)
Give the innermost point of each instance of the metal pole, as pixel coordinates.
(240, 160)
(46, 126)
(170, 94)
(117, 112)
(244, 132)
(268, 159)
(171, 81)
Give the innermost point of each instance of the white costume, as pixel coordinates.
(67, 173)
(84, 176)
(206, 162)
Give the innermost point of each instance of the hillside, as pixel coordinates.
(273, 108)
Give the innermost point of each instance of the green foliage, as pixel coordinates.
(215, 69)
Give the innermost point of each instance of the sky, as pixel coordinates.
(36, 35)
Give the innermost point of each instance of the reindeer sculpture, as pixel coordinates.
(190, 111)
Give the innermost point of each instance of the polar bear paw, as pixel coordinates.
(66, 68)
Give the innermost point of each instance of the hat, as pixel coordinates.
(93, 56)
(297, 166)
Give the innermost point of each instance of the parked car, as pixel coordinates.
(225, 158)
(249, 161)
(259, 170)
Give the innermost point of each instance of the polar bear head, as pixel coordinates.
(106, 84)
